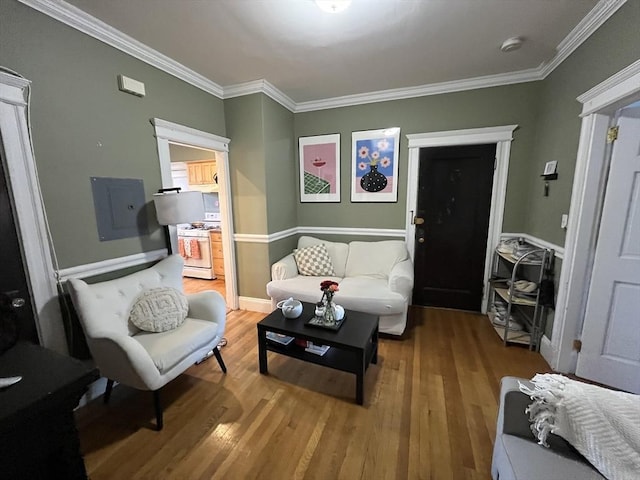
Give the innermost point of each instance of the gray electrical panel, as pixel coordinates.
(120, 207)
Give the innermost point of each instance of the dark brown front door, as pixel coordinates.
(454, 200)
(15, 301)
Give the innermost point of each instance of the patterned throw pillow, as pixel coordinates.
(159, 309)
(313, 260)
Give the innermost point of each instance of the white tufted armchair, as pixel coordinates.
(140, 359)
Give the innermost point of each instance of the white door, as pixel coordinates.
(611, 333)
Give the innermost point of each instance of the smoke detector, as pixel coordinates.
(511, 44)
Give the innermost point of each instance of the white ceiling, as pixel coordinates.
(376, 45)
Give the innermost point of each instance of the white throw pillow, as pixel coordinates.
(313, 260)
(159, 309)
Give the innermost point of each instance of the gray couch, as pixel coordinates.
(516, 454)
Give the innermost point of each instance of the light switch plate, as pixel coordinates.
(564, 221)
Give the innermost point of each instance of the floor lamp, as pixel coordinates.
(174, 207)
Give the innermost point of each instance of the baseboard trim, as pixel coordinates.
(255, 304)
(548, 352)
(111, 265)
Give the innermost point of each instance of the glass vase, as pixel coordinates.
(329, 314)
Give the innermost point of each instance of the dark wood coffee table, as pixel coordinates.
(353, 347)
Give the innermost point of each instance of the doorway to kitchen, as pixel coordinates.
(195, 160)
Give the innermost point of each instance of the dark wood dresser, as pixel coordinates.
(38, 436)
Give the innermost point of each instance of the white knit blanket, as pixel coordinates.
(603, 425)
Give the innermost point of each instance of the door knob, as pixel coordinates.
(418, 220)
(421, 240)
(17, 302)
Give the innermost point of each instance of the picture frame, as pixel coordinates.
(374, 165)
(319, 168)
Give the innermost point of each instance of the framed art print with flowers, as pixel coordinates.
(374, 172)
(320, 168)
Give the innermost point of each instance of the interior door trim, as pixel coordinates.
(599, 105)
(22, 178)
(502, 137)
(169, 132)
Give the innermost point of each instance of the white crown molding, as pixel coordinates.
(76, 18)
(587, 26)
(111, 265)
(260, 86)
(521, 76)
(538, 242)
(85, 23)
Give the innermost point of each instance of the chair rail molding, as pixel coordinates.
(272, 237)
(111, 265)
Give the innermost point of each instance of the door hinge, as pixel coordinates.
(612, 134)
(577, 345)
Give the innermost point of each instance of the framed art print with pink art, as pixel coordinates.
(374, 166)
(320, 168)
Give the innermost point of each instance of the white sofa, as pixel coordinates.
(373, 277)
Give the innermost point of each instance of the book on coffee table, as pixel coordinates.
(279, 338)
(317, 349)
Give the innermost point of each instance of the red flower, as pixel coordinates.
(329, 285)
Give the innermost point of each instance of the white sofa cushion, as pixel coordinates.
(337, 251)
(169, 348)
(374, 259)
(305, 289)
(369, 295)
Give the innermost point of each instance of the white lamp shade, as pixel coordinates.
(173, 208)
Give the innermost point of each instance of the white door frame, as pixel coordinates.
(598, 109)
(167, 132)
(502, 137)
(22, 180)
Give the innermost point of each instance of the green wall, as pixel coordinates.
(611, 48)
(280, 158)
(508, 105)
(262, 163)
(83, 126)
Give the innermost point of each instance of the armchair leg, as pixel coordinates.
(216, 352)
(158, 408)
(107, 391)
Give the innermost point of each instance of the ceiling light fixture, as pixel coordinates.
(333, 6)
(511, 44)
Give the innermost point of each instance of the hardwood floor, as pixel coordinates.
(429, 411)
(195, 285)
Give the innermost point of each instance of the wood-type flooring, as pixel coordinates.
(429, 411)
